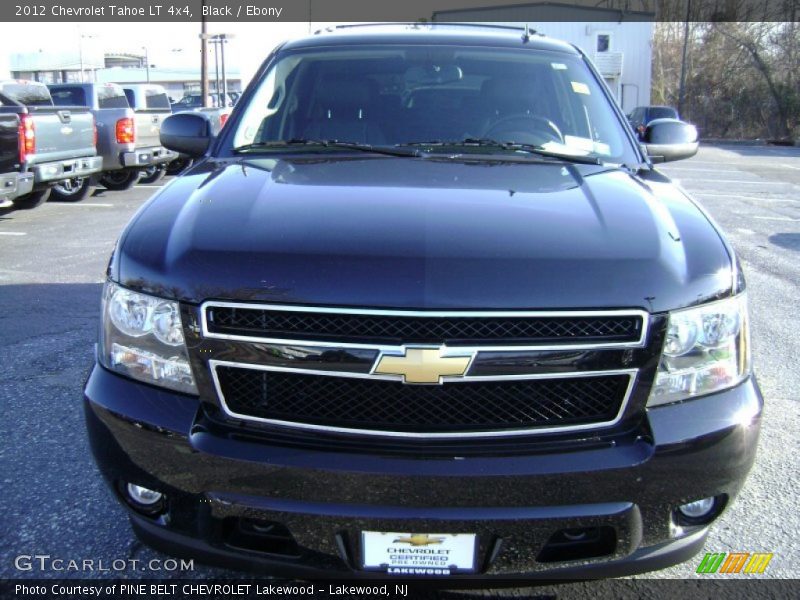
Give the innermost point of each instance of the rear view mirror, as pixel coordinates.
(670, 139)
(433, 75)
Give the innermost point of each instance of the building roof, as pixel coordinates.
(157, 75)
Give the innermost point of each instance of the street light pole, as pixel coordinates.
(146, 62)
(80, 54)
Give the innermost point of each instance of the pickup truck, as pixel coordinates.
(114, 119)
(151, 106)
(55, 142)
(425, 308)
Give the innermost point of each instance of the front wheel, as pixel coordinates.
(71, 190)
(152, 174)
(32, 200)
(119, 181)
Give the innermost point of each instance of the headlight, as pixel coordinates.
(142, 337)
(707, 350)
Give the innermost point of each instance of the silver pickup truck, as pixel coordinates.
(151, 106)
(55, 142)
(124, 139)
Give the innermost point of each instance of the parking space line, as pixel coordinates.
(701, 170)
(89, 204)
(737, 181)
(13, 233)
(777, 219)
(740, 197)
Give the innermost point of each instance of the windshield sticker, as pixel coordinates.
(559, 66)
(587, 145)
(580, 88)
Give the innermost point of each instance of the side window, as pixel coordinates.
(68, 97)
(603, 42)
(131, 98)
(156, 99)
(111, 96)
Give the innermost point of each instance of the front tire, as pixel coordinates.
(32, 200)
(152, 174)
(71, 190)
(119, 181)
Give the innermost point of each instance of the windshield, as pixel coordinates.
(401, 95)
(663, 112)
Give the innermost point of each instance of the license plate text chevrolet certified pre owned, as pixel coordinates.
(425, 308)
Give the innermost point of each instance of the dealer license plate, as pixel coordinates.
(418, 553)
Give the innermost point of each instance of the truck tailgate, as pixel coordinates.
(148, 127)
(62, 132)
(9, 145)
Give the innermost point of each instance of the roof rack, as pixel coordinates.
(415, 24)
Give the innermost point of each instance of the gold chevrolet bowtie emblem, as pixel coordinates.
(422, 365)
(419, 539)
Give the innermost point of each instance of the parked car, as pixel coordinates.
(641, 116)
(56, 143)
(116, 143)
(425, 308)
(151, 106)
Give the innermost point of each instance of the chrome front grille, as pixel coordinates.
(317, 369)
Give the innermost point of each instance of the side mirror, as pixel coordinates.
(187, 133)
(670, 139)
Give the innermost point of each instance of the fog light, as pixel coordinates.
(697, 509)
(144, 496)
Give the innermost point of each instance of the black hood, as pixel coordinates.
(425, 234)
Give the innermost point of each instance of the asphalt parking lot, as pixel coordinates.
(52, 262)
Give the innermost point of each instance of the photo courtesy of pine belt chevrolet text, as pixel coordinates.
(425, 308)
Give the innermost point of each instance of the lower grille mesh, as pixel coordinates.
(393, 406)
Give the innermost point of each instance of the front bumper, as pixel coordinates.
(514, 503)
(145, 157)
(67, 169)
(14, 185)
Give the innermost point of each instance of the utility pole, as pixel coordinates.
(682, 87)
(203, 56)
(223, 99)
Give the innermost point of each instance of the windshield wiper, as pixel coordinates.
(300, 142)
(515, 146)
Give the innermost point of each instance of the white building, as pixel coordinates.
(619, 43)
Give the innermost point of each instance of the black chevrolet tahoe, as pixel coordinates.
(424, 308)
